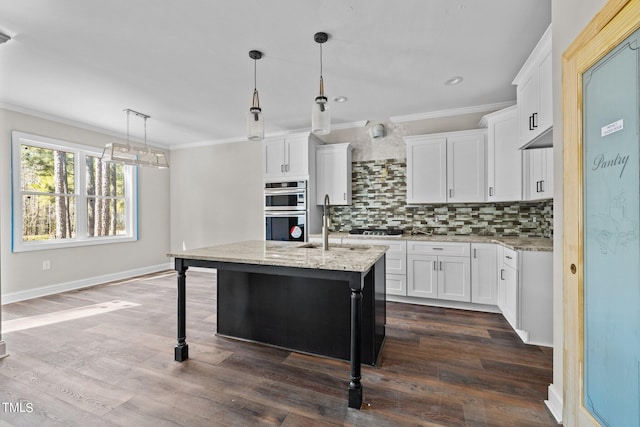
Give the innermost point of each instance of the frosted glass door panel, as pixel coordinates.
(611, 245)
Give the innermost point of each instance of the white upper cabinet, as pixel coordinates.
(504, 158)
(535, 94)
(333, 173)
(446, 167)
(466, 167)
(538, 173)
(287, 158)
(426, 170)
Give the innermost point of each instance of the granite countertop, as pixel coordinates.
(341, 257)
(516, 243)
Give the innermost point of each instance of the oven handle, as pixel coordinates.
(272, 214)
(283, 191)
(296, 209)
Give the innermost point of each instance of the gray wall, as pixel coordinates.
(22, 273)
(216, 194)
(569, 17)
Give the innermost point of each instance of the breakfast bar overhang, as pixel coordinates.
(296, 296)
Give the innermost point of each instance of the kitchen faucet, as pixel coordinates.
(325, 223)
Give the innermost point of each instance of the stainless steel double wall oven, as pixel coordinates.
(285, 211)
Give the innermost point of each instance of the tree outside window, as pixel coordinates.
(66, 195)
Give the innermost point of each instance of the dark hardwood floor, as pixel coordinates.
(439, 367)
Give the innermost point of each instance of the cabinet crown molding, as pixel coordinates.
(541, 50)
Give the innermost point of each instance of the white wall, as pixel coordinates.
(22, 275)
(216, 194)
(569, 17)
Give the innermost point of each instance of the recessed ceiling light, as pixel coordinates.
(453, 81)
(340, 99)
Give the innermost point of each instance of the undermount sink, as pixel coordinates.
(334, 246)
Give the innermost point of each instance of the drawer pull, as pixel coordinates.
(508, 257)
(438, 249)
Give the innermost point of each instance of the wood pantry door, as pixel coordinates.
(601, 244)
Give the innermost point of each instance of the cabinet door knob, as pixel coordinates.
(450, 193)
(502, 274)
(542, 186)
(435, 268)
(534, 118)
(531, 122)
(474, 252)
(440, 265)
(490, 191)
(574, 269)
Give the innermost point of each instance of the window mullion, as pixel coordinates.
(81, 197)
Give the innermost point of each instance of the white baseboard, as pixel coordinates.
(554, 403)
(444, 303)
(83, 283)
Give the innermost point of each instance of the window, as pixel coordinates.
(63, 195)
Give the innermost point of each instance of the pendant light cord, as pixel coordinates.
(320, 60)
(321, 80)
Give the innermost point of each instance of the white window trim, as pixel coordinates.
(81, 239)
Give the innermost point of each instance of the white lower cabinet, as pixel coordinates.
(484, 273)
(518, 282)
(525, 294)
(396, 262)
(439, 271)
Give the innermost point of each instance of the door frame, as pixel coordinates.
(614, 23)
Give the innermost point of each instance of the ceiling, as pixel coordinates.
(186, 63)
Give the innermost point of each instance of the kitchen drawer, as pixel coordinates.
(396, 264)
(396, 284)
(438, 248)
(396, 256)
(510, 258)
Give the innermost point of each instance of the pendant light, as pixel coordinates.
(320, 116)
(255, 120)
(129, 154)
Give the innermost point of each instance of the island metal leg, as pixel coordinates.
(355, 387)
(182, 349)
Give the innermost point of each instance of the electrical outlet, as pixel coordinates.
(46, 264)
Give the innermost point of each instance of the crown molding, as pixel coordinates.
(74, 123)
(273, 135)
(452, 112)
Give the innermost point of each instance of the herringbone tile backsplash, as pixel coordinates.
(379, 200)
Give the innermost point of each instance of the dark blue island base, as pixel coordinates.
(338, 314)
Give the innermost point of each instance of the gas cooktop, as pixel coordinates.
(376, 232)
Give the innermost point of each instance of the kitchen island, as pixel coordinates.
(296, 296)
